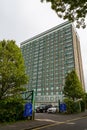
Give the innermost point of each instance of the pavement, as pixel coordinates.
(32, 124)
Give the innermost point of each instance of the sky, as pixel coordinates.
(23, 19)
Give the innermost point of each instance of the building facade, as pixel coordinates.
(48, 57)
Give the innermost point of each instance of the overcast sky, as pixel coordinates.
(23, 19)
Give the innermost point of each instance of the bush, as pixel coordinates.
(70, 105)
(11, 110)
(74, 107)
(77, 107)
(83, 106)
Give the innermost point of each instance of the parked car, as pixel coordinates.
(38, 109)
(52, 110)
(43, 108)
(47, 106)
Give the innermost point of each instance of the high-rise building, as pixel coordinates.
(48, 57)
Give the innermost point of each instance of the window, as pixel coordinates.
(39, 89)
(38, 94)
(51, 88)
(47, 88)
(57, 88)
(51, 93)
(46, 93)
(57, 93)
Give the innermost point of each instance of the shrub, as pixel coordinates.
(77, 107)
(11, 110)
(70, 105)
(74, 106)
(83, 105)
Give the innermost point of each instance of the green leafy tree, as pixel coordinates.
(12, 70)
(73, 87)
(85, 99)
(73, 10)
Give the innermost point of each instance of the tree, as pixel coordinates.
(85, 99)
(73, 87)
(12, 70)
(73, 10)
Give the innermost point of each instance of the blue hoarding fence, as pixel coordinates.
(62, 107)
(27, 110)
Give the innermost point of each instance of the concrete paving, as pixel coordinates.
(29, 125)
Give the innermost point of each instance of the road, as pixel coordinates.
(62, 122)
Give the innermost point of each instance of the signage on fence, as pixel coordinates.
(62, 107)
(28, 110)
